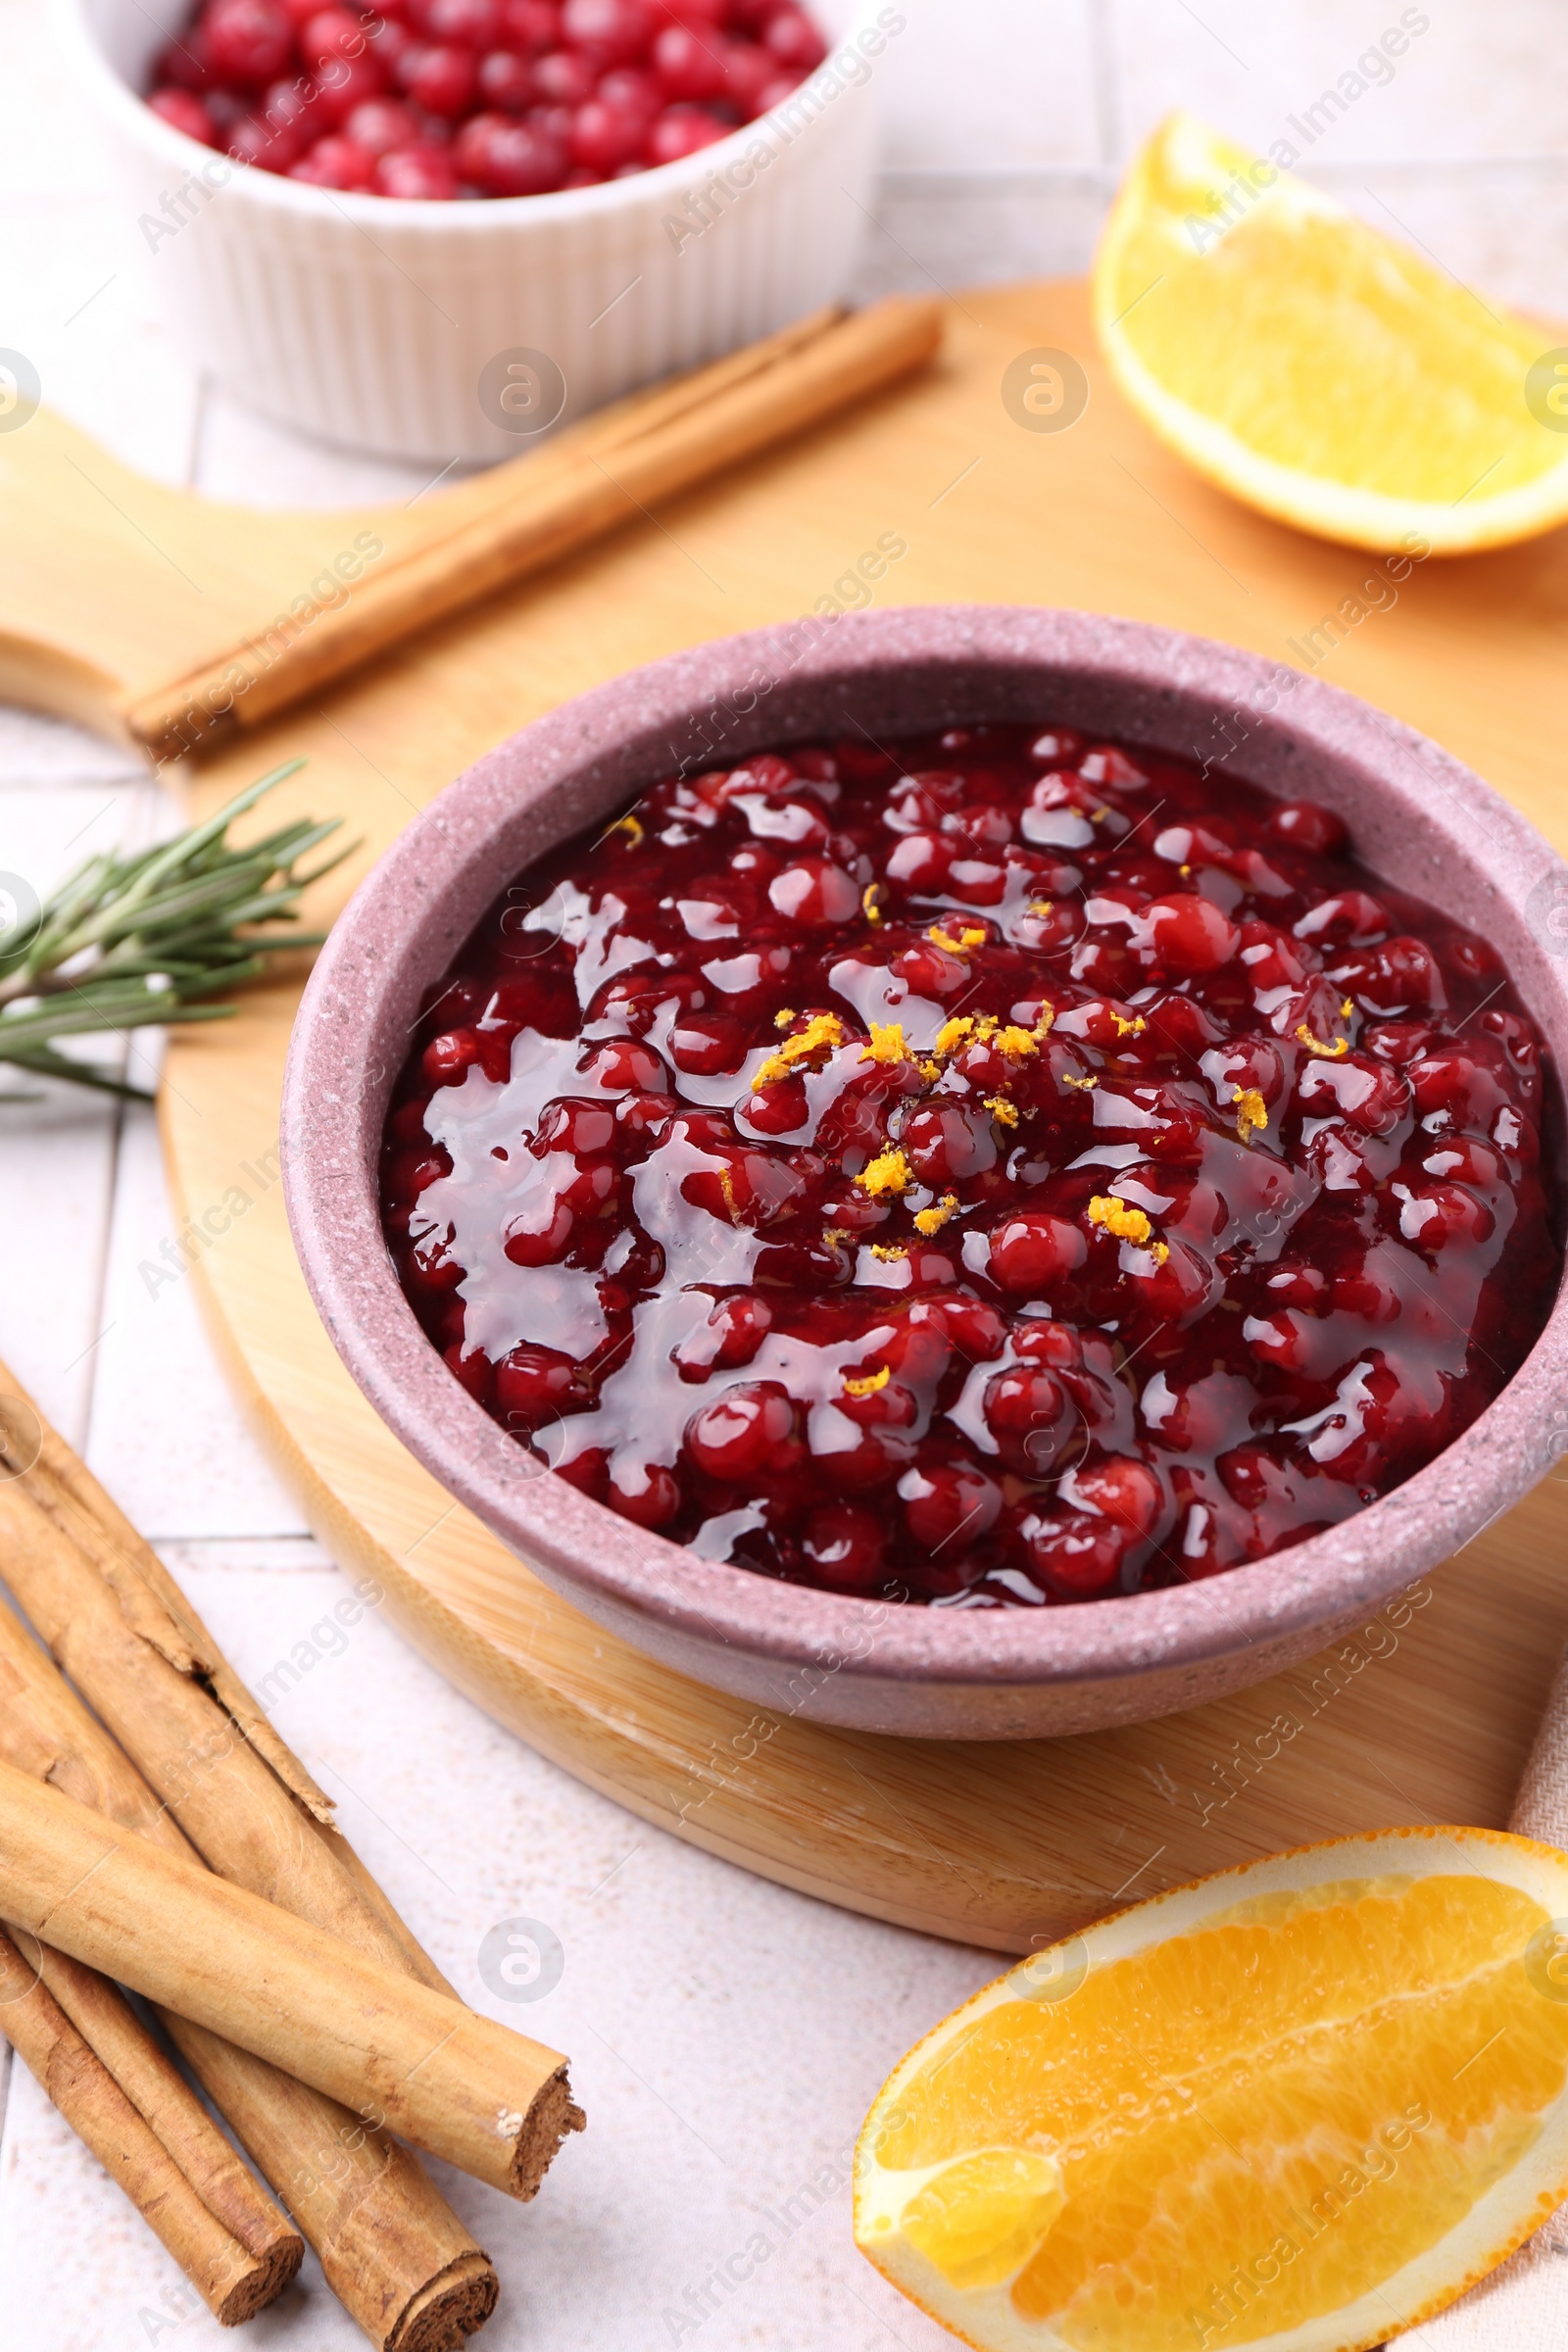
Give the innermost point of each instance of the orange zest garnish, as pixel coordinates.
(889, 1251)
(870, 901)
(889, 1172)
(1316, 1045)
(1250, 1111)
(1111, 1211)
(824, 1030)
(931, 1220)
(967, 940)
(886, 1044)
(869, 1385)
(1001, 1109)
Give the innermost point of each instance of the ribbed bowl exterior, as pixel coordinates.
(369, 321)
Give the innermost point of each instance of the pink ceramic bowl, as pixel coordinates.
(1417, 817)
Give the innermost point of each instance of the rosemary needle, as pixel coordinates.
(126, 941)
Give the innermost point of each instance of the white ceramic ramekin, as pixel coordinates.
(372, 321)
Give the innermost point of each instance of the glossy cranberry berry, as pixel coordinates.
(247, 42)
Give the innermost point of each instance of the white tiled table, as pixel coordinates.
(725, 2034)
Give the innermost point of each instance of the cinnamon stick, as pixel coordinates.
(485, 2098)
(96, 1604)
(122, 2043)
(391, 2248)
(233, 2282)
(597, 477)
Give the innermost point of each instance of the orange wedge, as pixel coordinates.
(1317, 369)
(1304, 2103)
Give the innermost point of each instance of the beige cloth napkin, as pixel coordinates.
(1523, 2307)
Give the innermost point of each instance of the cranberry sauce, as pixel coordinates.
(990, 1168)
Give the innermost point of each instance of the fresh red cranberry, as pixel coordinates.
(732, 1335)
(1350, 919)
(422, 171)
(623, 1064)
(186, 62)
(948, 1504)
(947, 1145)
(1178, 1288)
(537, 1385)
(443, 81)
(1031, 1419)
(389, 44)
(645, 1492)
(1120, 1488)
(748, 1433)
(1190, 935)
(507, 157)
(846, 1545)
(689, 64)
(380, 126)
(749, 70)
(614, 32)
(447, 1056)
(794, 40)
(335, 163)
(581, 1128)
(1076, 1558)
(504, 81)
(631, 90)
(816, 892)
(247, 40)
(530, 24)
(1033, 1253)
(1272, 960)
(330, 33)
(1401, 976)
(346, 83)
(183, 110)
(1368, 1094)
(884, 1445)
(1444, 1214)
(682, 131)
(564, 78)
(473, 1368)
(469, 23)
(1451, 1081)
(1306, 825)
(603, 137)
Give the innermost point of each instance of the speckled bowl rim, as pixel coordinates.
(1419, 818)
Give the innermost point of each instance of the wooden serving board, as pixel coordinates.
(112, 583)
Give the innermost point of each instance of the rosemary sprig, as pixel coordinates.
(127, 940)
